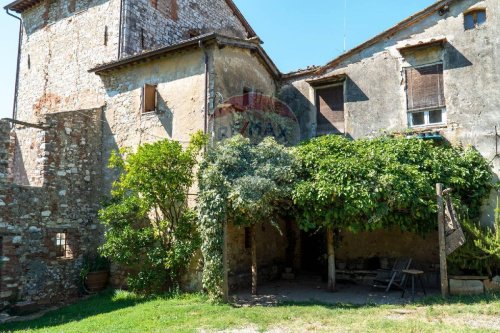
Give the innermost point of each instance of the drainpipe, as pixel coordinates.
(14, 107)
(205, 53)
(120, 30)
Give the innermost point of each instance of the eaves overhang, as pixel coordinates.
(331, 79)
(252, 44)
(20, 6)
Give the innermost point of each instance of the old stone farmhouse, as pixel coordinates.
(97, 75)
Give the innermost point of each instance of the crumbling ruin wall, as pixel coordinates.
(66, 202)
(172, 21)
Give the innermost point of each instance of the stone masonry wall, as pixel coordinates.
(62, 40)
(60, 43)
(172, 21)
(66, 202)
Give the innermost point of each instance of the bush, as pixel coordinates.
(149, 226)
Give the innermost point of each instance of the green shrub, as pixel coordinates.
(149, 227)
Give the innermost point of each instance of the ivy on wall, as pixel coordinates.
(246, 184)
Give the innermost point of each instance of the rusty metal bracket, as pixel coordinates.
(497, 136)
(23, 123)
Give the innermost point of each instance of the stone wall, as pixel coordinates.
(375, 97)
(59, 45)
(66, 202)
(147, 27)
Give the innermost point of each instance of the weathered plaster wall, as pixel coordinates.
(236, 69)
(180, 80)
(59, 46)
(388, 244)
(148, 28)
(69, 153)
(375, 98)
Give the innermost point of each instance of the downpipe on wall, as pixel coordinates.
(16, 88)
(205, 119)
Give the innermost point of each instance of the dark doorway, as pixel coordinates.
(314, 260)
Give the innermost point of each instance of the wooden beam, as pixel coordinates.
(442, 242)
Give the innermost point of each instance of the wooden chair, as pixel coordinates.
(394, 277)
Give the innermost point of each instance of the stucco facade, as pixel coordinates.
(374, 82)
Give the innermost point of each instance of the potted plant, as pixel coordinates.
(95, 273)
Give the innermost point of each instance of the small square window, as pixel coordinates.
(435, 117)
(418, 118)
(474, 19)
(481, 17)
(469, 22)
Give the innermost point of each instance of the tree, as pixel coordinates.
(246, 184)
(149, 226)
(378, 183)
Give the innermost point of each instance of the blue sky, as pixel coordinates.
(296, 33)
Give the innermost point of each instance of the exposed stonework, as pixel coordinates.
(66, 201)
(147, 27)
(57, 52)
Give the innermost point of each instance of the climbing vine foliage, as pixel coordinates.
(244, 184)
(385, 182)
(149, 227)
(334, 182)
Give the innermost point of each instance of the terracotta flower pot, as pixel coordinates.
(96, 281)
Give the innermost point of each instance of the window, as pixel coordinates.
(474, 19)
(149, 98)
(246, 96)
(62, 245)
(330, 110)
(425, 95)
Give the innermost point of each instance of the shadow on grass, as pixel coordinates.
(426, 301)
(105, 302)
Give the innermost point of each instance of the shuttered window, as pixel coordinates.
(330, 110)
(424, 87)
(149, 98)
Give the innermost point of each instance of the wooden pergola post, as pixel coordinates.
(225, 282)
(442, 242)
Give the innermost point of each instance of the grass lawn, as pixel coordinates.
(125, 312)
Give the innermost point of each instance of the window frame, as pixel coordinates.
(425, 110)
(474, 13)
(334, 84)
(62, 245)
(144, 108)
(426, 113)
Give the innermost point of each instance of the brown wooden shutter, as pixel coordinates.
(330, 110)
(424, 87)
(149, 98)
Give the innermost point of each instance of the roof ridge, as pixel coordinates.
(407, 22)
